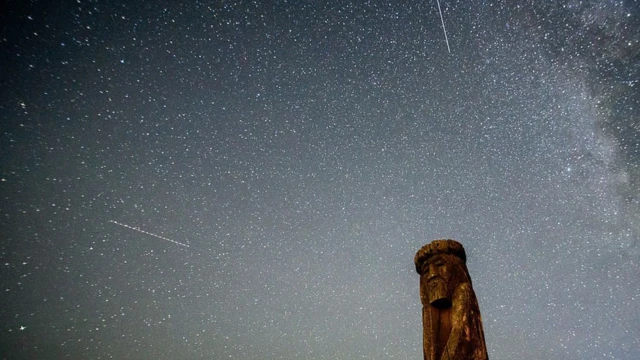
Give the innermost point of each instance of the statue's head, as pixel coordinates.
(441, 265)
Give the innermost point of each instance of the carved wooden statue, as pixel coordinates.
(452, 327)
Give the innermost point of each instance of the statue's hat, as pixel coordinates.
(447, 246)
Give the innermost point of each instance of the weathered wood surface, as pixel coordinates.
(452, 326)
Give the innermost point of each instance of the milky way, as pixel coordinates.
(306, 150)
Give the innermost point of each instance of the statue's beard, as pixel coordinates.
(438, 291)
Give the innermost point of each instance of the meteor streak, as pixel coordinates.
(148, 233)
(443, 28)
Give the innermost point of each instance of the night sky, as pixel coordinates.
(251, 180)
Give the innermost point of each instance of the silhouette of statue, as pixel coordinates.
(452, 326)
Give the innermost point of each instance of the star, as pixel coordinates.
(22, 327)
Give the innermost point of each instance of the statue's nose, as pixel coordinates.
(431, 272)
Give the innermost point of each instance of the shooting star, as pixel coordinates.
(148, 233)
(443, 28)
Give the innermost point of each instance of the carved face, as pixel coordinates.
(438, 268)
(437, 273)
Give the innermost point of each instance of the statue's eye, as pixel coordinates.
(439, 263)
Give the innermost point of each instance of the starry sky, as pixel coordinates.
(251, 179)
